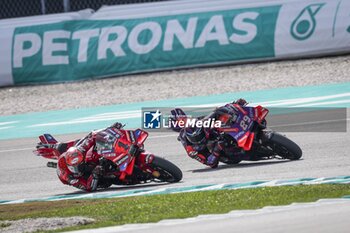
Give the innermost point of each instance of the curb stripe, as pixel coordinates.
(196, 188)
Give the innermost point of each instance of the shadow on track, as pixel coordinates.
(118, 188)
(241, 165)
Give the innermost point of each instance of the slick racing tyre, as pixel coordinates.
(284, 147)
(167, 171)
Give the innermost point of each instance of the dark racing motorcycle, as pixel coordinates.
(250, 139)
(127, 165)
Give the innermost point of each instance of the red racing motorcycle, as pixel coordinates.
(127, 165)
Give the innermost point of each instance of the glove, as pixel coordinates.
(41, 145)
(212, 161)
(47, 150)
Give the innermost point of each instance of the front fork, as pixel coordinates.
(259, 149)
(144, 161)
(260, 146)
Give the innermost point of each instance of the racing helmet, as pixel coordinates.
(196, 136)
(74, 158)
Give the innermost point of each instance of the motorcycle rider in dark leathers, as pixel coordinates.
(206, 144)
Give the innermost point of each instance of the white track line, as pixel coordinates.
(164, 136)
(311, 122)
(19, 149)
(6, 127)
(8, 122)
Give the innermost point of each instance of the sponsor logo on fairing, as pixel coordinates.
(111, 131)
(132, 136)
(107, 151)
(122, 160)
(238, 135)
(118, 133)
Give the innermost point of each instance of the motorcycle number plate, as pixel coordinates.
(243, 123)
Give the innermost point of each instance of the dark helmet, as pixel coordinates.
(117, 125)
(226, 114)
(196, 136)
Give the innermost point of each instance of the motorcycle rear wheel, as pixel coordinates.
(169, 172)
(285, 147)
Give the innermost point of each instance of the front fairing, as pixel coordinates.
(115, 146)
(243, 124)
(242, 129)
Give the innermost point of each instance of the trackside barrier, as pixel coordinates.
(162, 36)
(7, 30)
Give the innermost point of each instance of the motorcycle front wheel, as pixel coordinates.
(168, 172)
(284, 147)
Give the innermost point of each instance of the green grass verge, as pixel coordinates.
(143, 209)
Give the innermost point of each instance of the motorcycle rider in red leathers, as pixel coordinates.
(205, 144)
(79, 168)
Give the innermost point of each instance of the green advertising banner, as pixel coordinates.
(150, 40)
(75, 50)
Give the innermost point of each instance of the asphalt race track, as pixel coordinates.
(325, 154)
